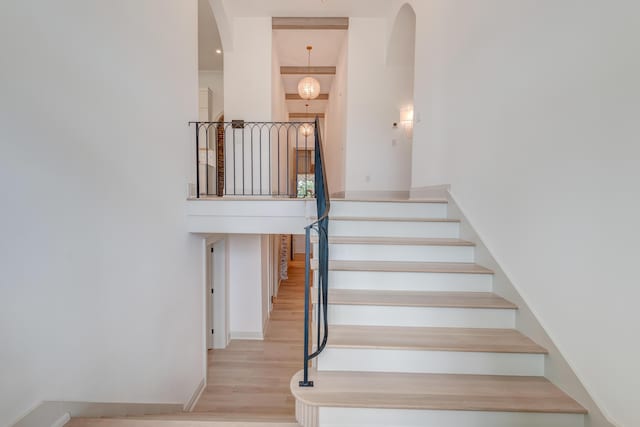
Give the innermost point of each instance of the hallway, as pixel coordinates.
(249, 380)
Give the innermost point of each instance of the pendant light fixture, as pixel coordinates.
(306, 129)
(308, 87)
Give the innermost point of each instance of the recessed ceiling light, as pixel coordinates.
(218, 51)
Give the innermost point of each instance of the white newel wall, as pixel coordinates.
(335, 137)
(101, 289)
(380, 84)
(530, 111)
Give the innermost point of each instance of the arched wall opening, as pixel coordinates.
(400, 62)
(380, 104)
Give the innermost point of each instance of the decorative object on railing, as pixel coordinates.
(321, 226)
(260, 158)
(284, 257)
(308, 87)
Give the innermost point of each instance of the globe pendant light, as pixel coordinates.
(306, 129)
(308, 87)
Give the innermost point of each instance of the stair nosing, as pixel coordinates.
(334, 299)
(401, 267)
(395, 241)
(428, 398)
(393, 219)
(534, 348)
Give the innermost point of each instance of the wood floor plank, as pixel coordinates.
(250, 378)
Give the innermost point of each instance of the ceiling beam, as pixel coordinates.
(306, 115)
(278, 23)
(308, 70)
(297, 97)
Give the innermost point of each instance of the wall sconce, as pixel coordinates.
(406, 120)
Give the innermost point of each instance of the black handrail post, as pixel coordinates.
(197, 161)
(307, 242)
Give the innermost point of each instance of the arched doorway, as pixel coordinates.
(401, 72)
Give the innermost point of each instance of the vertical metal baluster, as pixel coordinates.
(252, 160)
(243, 159)
(233, 134)
(197, 160)
(206, 166)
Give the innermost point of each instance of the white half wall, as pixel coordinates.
(530, 110)
(101, 289)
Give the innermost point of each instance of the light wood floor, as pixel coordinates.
(250, 379)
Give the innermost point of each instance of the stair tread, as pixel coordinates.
(436, 200)
(498, 393)
(416, 241)
(415, 298)
(169, 421)
(390, 219)
(406, 266)
(435, 339)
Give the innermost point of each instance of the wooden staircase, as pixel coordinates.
(416, 336)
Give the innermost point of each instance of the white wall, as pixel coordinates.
(378, 89)
(530, 110)
(245, 286)
(213, 80)
(247, 70)
(335, 137)
(101, 290)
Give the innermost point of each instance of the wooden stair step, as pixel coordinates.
(486, 300)
(405, 267)
(454, 392)
(390, 219)
(433, 339)
(169, 422)
(409, 241)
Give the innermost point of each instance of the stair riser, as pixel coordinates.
(418, 253)
(388, 209)
(420, 316)
(394, 229)
(356, 417)
(406, 281)
(437, 362)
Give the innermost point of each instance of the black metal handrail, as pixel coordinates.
(321, 226)
(251, 158)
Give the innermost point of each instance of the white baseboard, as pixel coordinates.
(58, 413)
(188, 407)
(243, 335)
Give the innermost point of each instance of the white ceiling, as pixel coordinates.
(315, 106)
(296, 8)
(208, 39)
(290, 45)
